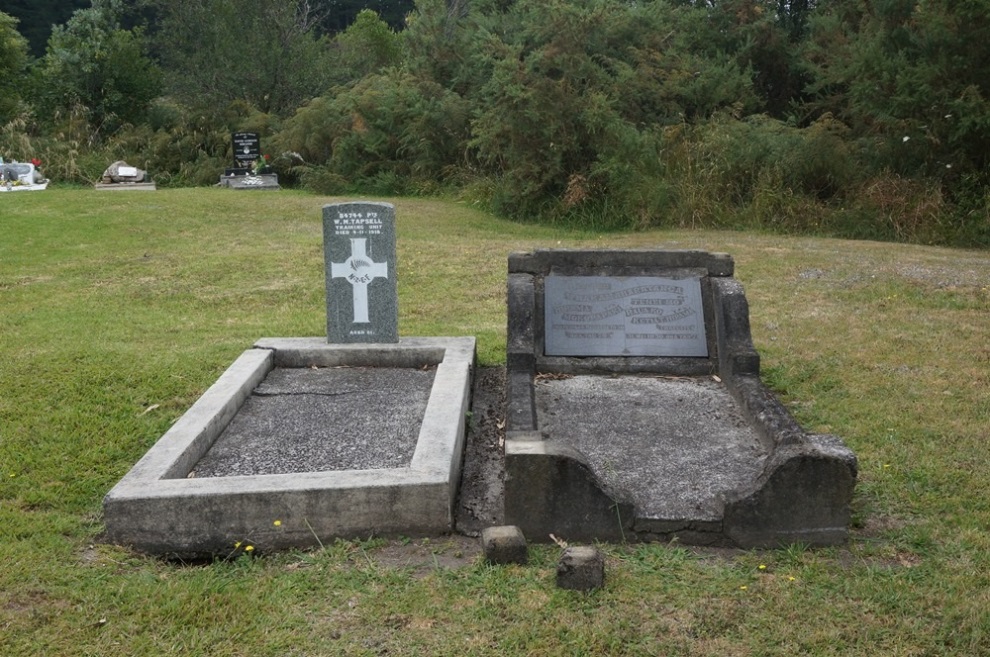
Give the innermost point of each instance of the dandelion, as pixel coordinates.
(249, 548)
(905, 138)
(277, 523)
(762, 566)
(791, 578)
(743, 587)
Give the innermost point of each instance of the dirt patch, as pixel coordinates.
(482, 491)
(423, 556)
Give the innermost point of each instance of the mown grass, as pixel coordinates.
(118, 310)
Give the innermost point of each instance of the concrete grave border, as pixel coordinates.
(804, 491)
(157, 509)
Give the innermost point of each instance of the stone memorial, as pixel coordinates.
(21, 177)
(362, 293)
(246, 147)
(120, 176)
(353, 434)
(636, 411)
(250, 170)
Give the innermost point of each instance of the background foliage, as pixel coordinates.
(847, 118)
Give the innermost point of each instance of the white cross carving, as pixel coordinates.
(359, 270)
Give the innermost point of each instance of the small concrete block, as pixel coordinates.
(503, 545)
(581, 568)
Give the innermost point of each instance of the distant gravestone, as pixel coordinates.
(362, 295)
(246, 147)
(624, 316)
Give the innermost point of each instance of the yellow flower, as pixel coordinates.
(763, 566)
(743, 587)
(249, 548)
(237, 545)
(791, 579)
(277, 523)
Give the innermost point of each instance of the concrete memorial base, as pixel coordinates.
(636, 410)
(126, 187)
(263, 182)
(284, 452)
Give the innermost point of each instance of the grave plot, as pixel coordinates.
(636, 411)
(303, 440)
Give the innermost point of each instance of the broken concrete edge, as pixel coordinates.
(156, 509)
(559, 480)
(581, 568)
(504, 544)
(804, 495)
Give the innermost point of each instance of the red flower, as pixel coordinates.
(36, 162)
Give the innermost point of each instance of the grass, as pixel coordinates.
(118, 310)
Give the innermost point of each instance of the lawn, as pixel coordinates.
(117, 310)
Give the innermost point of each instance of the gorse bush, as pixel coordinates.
(844, 118)
(387, 126)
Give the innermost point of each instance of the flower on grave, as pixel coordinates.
(262, 164)
(36, 162)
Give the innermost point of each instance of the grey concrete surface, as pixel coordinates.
(675, 444)
(158, 508)
(319, 419)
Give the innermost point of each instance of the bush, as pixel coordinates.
(387, 127)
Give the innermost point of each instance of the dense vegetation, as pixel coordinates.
(852, 118)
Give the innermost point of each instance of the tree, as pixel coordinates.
(912, 77)
(365, 47)
(38, 16)
(13, 60)
(94, 64)
(265, 52)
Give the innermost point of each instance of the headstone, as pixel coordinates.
(246, 147)
(121, 172)
(20, 176)
(19, 172)
(359, 251)
(624, 316)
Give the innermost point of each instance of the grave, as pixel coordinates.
(120, 176)
(21, 177)
(636, 411)
(303, 440)
(250, 170)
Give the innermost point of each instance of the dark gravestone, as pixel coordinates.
(359, 249)
(247, 148)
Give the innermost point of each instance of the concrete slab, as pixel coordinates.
(125, 187)
(158, 508)
(676, 445)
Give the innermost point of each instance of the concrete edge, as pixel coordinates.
(155, 508)
(185, 442)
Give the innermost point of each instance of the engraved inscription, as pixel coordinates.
(624, 316)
